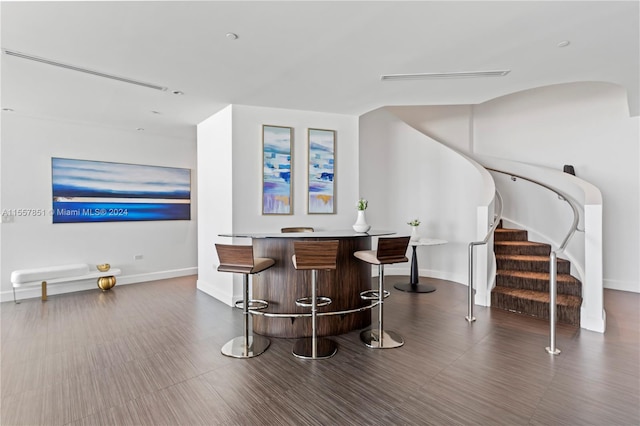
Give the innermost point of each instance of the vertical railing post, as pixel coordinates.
(553, 281)
(314, 312)
(493, 226)
(245, 314)
(470, 297)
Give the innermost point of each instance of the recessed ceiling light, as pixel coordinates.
(140, 129)
(7, 109)
(177, 92)
(232, 36)
(564, 43)
(456, 74)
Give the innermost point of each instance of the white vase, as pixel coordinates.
(414, 233)
(361, 223)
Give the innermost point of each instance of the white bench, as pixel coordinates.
(58, 274)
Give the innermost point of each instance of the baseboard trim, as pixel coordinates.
(631, 286)
(71, 287)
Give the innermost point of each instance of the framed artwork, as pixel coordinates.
(99, 191)
(322, 159)
(276, 170)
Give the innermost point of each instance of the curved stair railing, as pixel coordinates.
(494, 225)
(553, 265)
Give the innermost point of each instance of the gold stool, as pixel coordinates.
(314, 255)
(239, 259)
(390, 250)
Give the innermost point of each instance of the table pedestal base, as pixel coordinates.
(415, 288)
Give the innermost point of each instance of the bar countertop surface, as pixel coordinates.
(342, 233)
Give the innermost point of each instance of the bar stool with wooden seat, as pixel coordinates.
(239, 259)
(314, 256)
(297, 229)
(390, 250)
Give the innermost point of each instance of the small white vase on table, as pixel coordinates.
(361, 224)
(414, 229)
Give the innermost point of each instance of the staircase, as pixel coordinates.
(522, 279)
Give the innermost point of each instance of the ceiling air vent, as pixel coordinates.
(84, 70)
(434, 75)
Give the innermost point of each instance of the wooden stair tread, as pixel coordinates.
(528, 257)
(508, 234)
(507, 230)
(539, 296)
(544, 276)
(520, 243)
(521, 247)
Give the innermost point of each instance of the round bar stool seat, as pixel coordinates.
(390, 250)
(239, 259)
(314, 256)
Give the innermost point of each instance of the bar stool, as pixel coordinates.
(390, 250)
(239, 259)
(314, 256)
(297, 229)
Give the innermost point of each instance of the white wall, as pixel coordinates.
(451, 125)
(405, 174)
(168, 247)
(588, 126)
(215, 201)
(247, 168)
(230, 153)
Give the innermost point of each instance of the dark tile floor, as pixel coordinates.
(149, 354)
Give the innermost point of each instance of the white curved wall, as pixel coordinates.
(586, 125)
(405, 174)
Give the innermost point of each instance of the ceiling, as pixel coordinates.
(319, 56)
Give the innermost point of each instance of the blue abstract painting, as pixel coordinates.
(276, 166)
(98, 191)
(322, 171)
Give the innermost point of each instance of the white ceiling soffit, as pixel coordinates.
(309, 55)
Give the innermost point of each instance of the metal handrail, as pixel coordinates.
(496, 221)
(553, 259)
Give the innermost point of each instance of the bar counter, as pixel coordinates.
(282, 284)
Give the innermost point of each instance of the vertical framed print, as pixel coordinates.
(276, 170)
(321, 171)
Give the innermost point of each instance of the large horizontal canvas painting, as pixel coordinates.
(276, 170)
(98, 191)
(322, 145)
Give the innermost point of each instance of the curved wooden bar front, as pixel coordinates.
(282, 284)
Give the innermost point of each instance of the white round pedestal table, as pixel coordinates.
(413, 286)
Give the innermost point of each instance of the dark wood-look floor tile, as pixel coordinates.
(576, 400)
(149, 354)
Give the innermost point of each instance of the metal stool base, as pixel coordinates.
(326, 348)
(390, 339)
(236, 348)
